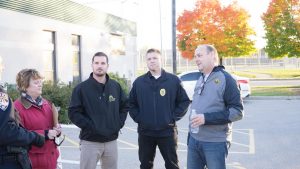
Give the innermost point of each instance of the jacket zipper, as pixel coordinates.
(154, 104)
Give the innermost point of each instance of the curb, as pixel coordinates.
(272, 98)
(272, 79)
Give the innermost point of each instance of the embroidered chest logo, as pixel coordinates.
(162, 92)
(217, 81)
(3, 101)
(111, 98)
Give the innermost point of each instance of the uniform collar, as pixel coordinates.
(162, 75)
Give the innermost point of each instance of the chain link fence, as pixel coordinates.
(256, 61)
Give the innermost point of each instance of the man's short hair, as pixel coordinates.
(100, 54)
(152, 50)
(209, 49)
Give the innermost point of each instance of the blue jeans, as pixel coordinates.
(201, 154)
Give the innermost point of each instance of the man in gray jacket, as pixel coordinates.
(217, 103)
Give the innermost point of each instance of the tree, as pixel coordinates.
(282, 25)
(226, 28)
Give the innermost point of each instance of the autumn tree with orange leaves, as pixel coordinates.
(282, 25)
(226, 28)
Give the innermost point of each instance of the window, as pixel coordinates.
(49, 56)
(76, 58)
(117, 44)
(190, 76)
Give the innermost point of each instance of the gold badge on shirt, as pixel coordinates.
(162, 92)
(217, 81)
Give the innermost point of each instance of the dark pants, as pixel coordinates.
(9, 162)
(167, 147)
(10, 165)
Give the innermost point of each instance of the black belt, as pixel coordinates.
(8, 158)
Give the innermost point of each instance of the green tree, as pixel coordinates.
(282, 25)
(226, 28)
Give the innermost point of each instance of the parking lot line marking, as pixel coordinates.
(130, 144)
(235, 165)
(183, 130)
(68, 146)
(238, 152)
(251, 142)
(131, 128)
(69, 161)
(69, 126)
(240, 132)
(127, 148)
(71, 141)
(183, 144)
(244, 145)
(73, 162)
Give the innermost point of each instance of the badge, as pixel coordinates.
(162, 92)
(217, 81)
(111, 98)
(4, 101)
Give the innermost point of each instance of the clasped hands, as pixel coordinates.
(55, 132)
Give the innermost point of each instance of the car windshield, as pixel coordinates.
(190, 76)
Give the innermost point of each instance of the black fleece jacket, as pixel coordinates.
(156, 104)
(100, 110)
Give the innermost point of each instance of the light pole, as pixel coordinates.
(174, 35)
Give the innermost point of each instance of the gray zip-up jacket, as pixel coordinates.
(221, 103)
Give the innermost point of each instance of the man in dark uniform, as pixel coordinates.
(14, 140)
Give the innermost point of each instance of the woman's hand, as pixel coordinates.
(57, 129)
(52, 134)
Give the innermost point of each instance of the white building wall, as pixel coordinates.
(21, 46)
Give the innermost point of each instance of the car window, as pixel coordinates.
(190, 76)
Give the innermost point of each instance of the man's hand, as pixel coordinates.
(198, 120)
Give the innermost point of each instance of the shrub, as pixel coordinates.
(60, 94)
(125, 84)
(12, 91)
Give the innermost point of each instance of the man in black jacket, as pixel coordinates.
(157, 101)
(99, 108)
(14, 140)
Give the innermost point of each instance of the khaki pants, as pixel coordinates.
(91, 152)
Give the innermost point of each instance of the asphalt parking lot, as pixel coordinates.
(253, 146)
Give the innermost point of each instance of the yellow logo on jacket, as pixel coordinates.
(162, 92)
(217, 81)
(111, 98)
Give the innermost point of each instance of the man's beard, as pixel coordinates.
(99, 74)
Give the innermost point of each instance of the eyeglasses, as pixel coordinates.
(57, 140)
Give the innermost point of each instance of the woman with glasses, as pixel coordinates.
(39, 115)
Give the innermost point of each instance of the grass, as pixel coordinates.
(274, 73)
(280, 73)
(275, 91)
(244, 74)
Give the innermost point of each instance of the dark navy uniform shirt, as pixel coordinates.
(11, 134)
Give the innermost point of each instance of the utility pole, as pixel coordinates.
(174, 35)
